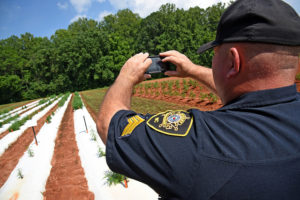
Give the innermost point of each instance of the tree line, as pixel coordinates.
(89, 54)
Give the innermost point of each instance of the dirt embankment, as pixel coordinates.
(179, 91)
(15, 151)
(67, 179)
(90, 110)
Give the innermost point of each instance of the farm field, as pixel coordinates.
(67, 159)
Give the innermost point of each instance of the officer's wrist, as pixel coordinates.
(124, 83)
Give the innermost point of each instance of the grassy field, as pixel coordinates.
(139, 105)
(12, 106)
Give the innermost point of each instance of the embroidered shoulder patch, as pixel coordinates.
(133, 122)
(175, 123)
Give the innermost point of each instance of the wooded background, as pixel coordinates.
(89, 54)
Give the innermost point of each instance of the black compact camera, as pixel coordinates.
(158, 66)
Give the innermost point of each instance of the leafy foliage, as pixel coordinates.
(63, 99)
(77, 103)
(113, 178)
(89, 54)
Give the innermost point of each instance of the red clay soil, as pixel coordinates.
(198, 102)
(3, 134)
(67, 179)
(203, 104)
(15, 151)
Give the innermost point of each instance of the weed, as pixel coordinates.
(298, 77)
(20, 174)
(185, 88)
(30, 152)
(203, 96)
(212, 97)
(192, 95)
(100, 153)
(113, 178)
(48, 119)
(183, 94)
(177, 84)
(93, 137)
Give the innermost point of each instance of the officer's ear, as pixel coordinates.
(235, 63)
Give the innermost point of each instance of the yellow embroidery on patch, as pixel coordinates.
(172, 122)
(133, 122)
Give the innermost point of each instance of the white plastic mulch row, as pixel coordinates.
(95, 167)
(35, 170)
(6, 126)
(18, 110)
(13, 136)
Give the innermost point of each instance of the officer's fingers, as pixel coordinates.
(169, 53)
(147, 76)
(142, 56)
(145, 65)
(173, 59)
(172, 53)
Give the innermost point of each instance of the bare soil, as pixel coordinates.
(67, 179)
(15, 151)
(3, 134)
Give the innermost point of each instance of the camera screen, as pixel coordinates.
(157, 65)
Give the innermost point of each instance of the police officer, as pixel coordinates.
(249, 148)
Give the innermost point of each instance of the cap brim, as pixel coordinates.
(207, 46)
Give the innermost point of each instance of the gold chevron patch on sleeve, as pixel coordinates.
(133, 122)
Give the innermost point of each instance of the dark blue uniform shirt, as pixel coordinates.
(248, 149)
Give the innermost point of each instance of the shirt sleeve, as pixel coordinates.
(164, 162)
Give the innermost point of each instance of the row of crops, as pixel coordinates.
(184, 88)
(30, 173)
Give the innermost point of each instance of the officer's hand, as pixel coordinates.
(184, 66)
(133, 71)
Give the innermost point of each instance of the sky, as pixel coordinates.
(43, 17)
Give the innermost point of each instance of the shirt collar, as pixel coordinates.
(263, 98)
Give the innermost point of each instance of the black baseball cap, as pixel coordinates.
(262, 21)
